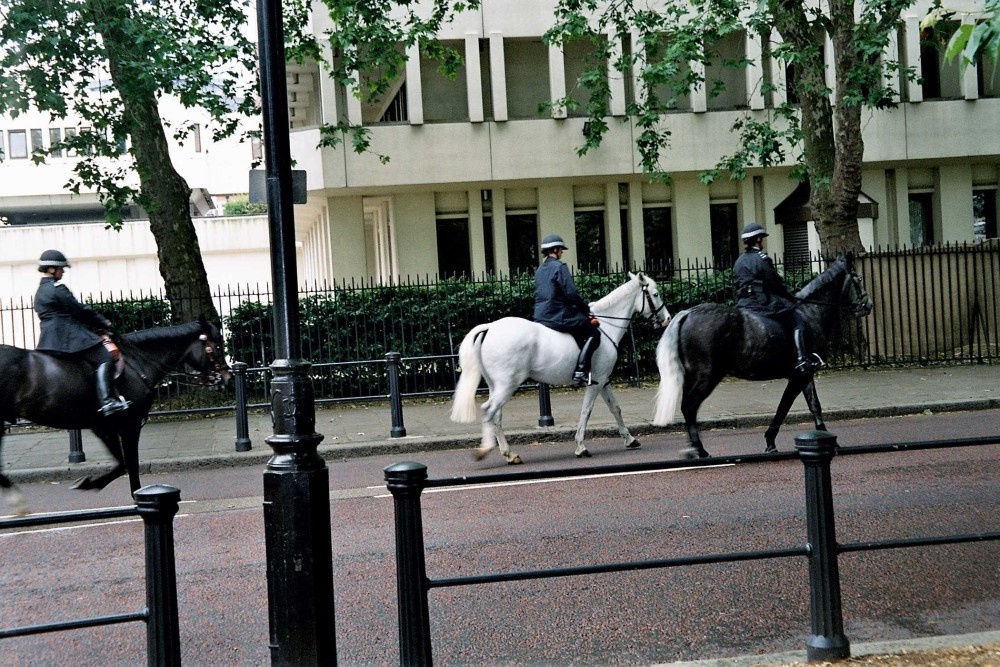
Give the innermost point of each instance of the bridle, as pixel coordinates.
(647, 300)
(852, 293)
(212, 376)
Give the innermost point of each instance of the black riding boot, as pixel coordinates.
(581, 376)
(805, 363)
(107, 399)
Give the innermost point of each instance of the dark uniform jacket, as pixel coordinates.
(759, 288)
(66, 323)
(557, 303)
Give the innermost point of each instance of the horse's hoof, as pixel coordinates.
(480, 454)
(83, 483)
(514, 460)
(635, 444)
(585, 454)
(694, 453)
(771, 449)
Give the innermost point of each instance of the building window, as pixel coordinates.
(659, 237)
(591, 245)
(725, 82)
(578, 55)
(725, 234)
(453, 247)
(55, 137)
(940, 79)
(921, 218)
(70, 135)
(445, 97)
(526, 66)
(984, 210)
(37, 142)
(522, 242)
(795, 236)
(17, 143)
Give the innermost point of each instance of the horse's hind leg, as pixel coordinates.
(492, 426)
(589, 397)
(792, 390)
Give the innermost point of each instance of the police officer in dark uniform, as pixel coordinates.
(559, 306)
(761, 290)
(69, 329)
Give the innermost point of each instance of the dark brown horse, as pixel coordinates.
(710, 341)
(59, 393)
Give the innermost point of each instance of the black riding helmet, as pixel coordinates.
(51, 258)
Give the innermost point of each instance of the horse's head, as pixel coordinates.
(853, 296)
(206, 356)
(651, 306)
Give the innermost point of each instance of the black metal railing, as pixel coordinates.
(156, 505)
(816, 449)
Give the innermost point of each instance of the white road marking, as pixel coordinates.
(79, 526)
(557, 479)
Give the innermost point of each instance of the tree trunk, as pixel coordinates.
(167, 198)
(832, 156)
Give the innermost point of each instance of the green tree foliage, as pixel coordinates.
(106, 64)
(821, 133)
(972, 40)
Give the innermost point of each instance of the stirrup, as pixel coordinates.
(581, 379)
(114, 406)
(812, 363)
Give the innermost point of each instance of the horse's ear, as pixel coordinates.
(633, 276)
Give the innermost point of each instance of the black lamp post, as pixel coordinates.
(296, 480)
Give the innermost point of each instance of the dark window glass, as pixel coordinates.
(921, 219)
(626, 247)
(658, 236)
(984, 210)
(591, 249)
(522, 242)
(796, 238)
(491, 263)
(725, 234)
(453, 247)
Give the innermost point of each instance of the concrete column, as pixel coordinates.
(699, 95)
(473, 77)
(612, 225)
(414, 87)
(498, 80)
(780, 93)
(691, 217)
(636, 230)
(477, 244)
(353, 103)
(557, 80)
(755, 71)
(346, 223)
(555, 216)
(501, 258)
(616, 79)
(914, 90)
(955, 188)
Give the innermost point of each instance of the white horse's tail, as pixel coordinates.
(464, 408)
(668, 362)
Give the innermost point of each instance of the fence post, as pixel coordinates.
(239, 370)
(544, 406)
(406, 482)
(76, 453)
(157, 506)
(392, 360)
(827, 641)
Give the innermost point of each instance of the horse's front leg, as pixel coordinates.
(112, 441)
(616, 411)
(589, 397)
(792, 390)
(812, 400)
(15, 499)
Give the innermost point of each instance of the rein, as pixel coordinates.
(647, 300)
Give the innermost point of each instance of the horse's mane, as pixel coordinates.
(618, 294)
(163, 333)
(835, 270)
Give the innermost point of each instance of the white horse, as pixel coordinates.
(510, 350)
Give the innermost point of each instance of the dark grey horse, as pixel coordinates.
(710, 341)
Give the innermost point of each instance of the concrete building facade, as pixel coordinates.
(477, 174)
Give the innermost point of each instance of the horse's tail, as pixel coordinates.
(668, 362)
(464, 408)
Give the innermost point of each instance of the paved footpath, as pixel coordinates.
(352, 430)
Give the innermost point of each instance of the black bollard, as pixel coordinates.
(157, 505)
(76, 453)
(406, 482)
(392, 360)
(239, 370)
(827, 641)
(544, 406)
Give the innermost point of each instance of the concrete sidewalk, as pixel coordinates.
(352, 430)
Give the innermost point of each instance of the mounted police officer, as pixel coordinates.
(559, 306)
(761, 290)
(71, 329)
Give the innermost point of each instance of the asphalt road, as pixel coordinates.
(616, 619)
